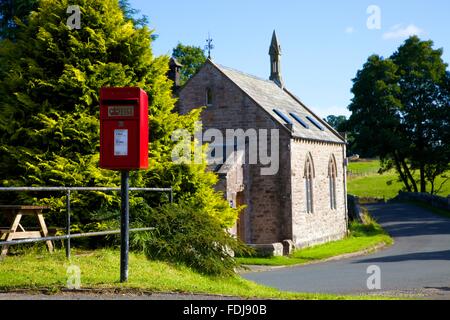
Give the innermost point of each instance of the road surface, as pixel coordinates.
(418, 262)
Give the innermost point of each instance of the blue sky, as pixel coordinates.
(324, 43)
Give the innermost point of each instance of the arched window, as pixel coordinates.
(332, 174)
(209, 98)
(309, 176)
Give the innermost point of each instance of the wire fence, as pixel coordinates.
(362, 173)
(68, 191)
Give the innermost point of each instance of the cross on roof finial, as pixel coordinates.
(209, 46)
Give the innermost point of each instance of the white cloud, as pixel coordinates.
(400, 32)
(349, 30)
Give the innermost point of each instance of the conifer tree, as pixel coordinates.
(50, 78)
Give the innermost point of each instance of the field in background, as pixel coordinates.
(365, 181)
(363, 167)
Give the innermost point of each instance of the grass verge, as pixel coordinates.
(362, 237)
(39, 270)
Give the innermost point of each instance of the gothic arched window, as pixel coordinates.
(332, 174)
(309, 176)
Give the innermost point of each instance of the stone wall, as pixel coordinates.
(231, 181)
(433, 200)
(231, 178)
(275, 204)
(324, 224)
(267, 216)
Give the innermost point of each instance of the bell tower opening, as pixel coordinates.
(275, 61)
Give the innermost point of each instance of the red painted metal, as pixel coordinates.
(124, 129)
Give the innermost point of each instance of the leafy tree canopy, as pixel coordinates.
(341, 125)
(337, 122)
(401, 112)
(191, 57)
(131, 13)
(10, 12)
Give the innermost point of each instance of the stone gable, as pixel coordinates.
(275, 205)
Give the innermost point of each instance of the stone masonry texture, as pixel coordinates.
(275, 204)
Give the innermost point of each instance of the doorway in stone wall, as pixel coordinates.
(241, 221)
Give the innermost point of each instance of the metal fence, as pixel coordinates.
(68, 191)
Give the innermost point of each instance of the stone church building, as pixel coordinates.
(304, 203)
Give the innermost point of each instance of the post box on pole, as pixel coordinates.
(124, 147)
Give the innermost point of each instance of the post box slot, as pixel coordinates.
(120, 109)
(119, 102)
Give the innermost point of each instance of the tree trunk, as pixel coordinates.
(400, 172)
(423, 182)
(409, 175)
(432, 186)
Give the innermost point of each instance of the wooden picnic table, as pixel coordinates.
(12, 233)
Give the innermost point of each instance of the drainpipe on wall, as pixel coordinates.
(344, 155)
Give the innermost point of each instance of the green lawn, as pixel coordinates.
(385, 186)
(362, 237)
(364, 166)
(39, 270)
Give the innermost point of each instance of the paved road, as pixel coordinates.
(419, 262)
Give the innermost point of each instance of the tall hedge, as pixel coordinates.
(50, 78)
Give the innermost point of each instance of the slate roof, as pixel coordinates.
(270, 96)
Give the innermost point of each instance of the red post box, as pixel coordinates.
(123, 129)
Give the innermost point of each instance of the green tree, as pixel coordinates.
(49, 128)
(12, 11)
(341, 125)
(337, 122)
(191, 57)
(401, 111)
(131, 13)
(425, 107)
(375, 119)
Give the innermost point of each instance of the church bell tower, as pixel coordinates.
(275, 61)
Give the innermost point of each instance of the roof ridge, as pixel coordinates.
(245, 73)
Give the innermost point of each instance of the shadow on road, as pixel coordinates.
(418, 256)
(414, 221)
(417, 263)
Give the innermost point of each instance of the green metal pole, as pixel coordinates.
(124, 226)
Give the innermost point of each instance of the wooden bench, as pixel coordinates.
(12, 233)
